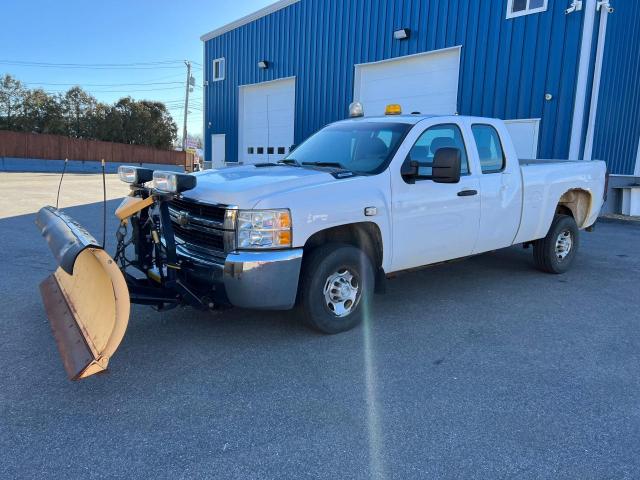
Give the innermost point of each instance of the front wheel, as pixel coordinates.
(556, 252)
(337, 286)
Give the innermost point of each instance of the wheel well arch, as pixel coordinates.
(364, 235)
(576, 203)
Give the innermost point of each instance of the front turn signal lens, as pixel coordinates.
(284, 237)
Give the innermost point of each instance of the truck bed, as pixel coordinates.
(545, 181)
(545, 161)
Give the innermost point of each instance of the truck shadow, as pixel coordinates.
(183, 341)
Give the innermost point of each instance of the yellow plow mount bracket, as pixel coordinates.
(132, 205)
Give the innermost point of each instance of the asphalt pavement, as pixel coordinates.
(484, 368)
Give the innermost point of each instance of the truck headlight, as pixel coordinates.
(264, 229)
(171, 182)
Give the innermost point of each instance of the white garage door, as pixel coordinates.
(266, 120)
(425, 83)
(524, 134)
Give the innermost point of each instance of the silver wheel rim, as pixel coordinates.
(342, 292)
(564, 244)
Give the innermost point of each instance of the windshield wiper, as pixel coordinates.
(289, 161)
(325, 164)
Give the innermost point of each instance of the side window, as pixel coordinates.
(489, 148)
(218, 70)
(433, 139)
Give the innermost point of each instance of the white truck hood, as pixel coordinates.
(245, 186)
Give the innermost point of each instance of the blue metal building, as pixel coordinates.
(565, 73)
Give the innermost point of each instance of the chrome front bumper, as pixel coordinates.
(266, 280)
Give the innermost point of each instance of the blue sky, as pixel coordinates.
(115, 32)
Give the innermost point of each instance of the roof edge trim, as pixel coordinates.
(269, 9)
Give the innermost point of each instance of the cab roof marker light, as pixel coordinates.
(356, 110)
(393, 109)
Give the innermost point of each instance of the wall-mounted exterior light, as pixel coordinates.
(263, 64)
(402, 34)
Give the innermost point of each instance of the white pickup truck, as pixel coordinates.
(367, 197)
(359, 200)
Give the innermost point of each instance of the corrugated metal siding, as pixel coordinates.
(507, 66)
(618, 118)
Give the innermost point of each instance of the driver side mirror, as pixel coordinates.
(446, 165)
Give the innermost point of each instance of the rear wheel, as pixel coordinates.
(556, 252)
(337, 286)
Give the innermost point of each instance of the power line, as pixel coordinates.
(121, 91)
(101, 84)
(175, 103)
(156, 62)
(164, 64)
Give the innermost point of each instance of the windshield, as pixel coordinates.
(364, 148)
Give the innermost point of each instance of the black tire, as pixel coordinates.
(549, 253)
(331, 262)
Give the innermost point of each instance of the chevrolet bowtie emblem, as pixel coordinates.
(183, 219)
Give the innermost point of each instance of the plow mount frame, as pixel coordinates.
(87, 299)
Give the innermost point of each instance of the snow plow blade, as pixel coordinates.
(86, 299)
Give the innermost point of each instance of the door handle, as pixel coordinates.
(467, 193)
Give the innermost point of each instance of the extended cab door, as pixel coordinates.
(500, 185)
(433, 222)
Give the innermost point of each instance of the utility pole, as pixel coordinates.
(186, 106)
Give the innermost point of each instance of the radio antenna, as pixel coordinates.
(104, 207)
(64, 169)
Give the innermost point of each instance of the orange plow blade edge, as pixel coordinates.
(86, 299)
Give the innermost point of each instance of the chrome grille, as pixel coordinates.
(203, 229)
(215, 213)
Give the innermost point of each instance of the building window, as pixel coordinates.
(517, 8)
(218, 70)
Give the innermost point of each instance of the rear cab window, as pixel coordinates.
(433, 139)
(490, 151)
